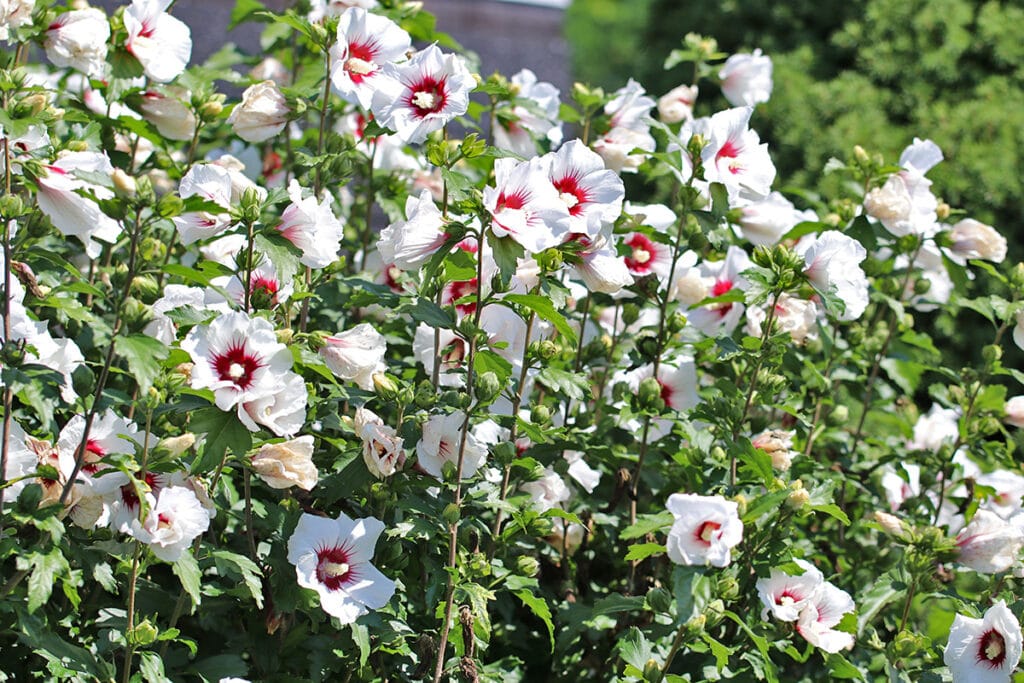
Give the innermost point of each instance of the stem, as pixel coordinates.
(766, 331)
(8, 391)
(101, 381)
(249, 531)
(318, 174)
(247, 297)
(906, 605)
(130, 651)
(453, 528)
(368, 228)
(514, 430)
(677, 643)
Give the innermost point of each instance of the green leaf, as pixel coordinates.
(426, 311)
(574, 385)
(223, 431)
(647, 524)
(488, 361)
(634, 649)
(187, 571)
(692, 590)
(756, 463)
(361, 637)
(151, 666)
(506, 251)
(720, 652)
(883, 592)
(832, 510)
(282, 253)
(243, 11)
(540, 609)
(641, 551)
(770, 673)
(243, 566)
(840, 667)
(45, 569)
(543, 307)
(289, 18)
(143, 354)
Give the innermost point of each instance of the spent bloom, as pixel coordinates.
(974, 240)
(705, 530)
(286, 464)
(383, 452)
(69, 211)
(14, 13)
(262, 113)
(677, 104)
(823, 611)
(174, 519)
(905, 205)
(355, 354)
(332, 557)
(409, 243)
(170, 112)
(984, 650)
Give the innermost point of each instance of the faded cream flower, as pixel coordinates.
(286, 464)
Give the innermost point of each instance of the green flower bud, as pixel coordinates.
(922, 285)
(695, 626)
(123, 183)
(649, 394)
(78, 146)
(11, 206)
(146, 287)
(527, 565)
(652, 671)
(728, 587)
(798, 498)
(425, 395)
(487, 386)
(992, 353)
(170, 206)
(451, 513)
(504, 453)
(143, 634)
(861, 156)
(385, 386)
(659, 600)
(540, 414)
(251, 204)
(839, 415)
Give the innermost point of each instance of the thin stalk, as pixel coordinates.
(368, 227)
(752, 386)
(247, 297)
(101, 381)
(8, 391)
(677, 643)
(517, 401)
(136, 558)
(453, 528)
(325, 105)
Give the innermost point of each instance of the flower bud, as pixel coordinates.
(287, 464)
(178, 445)
(385, 386)
(695, 626)
(652, 671)
(504, 453)
(659, 599)
(891, 524)
(425, 395)
(860, 155)
(11, 206)
(78, 146)
(992, 353)
(798, 498)
(942, 211)
(540, 414)
(143, 634)
(487, 386)
(252, 204)
(527, 565)
(839, 415)
(728, 587)
(285, 335)
(123, 182)
(211, 109)
(649, 394)
(451, 513)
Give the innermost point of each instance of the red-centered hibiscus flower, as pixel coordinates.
(525, 205)
(237, 357)
(161, 43)
(647, 257)
(365, 42)
(984, 650)
(332, 556)
(592, 194)
(735, 156)
(422, 95)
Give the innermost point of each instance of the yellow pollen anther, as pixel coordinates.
(335, 569)
(641, 255)
(236, 371)
(569, 198)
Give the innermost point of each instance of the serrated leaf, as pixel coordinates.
(755, 462)
(647, 524)
(243, 11)
(45, 569)
(248, 570)
(143, 354)
(223, 431)
(574, 385)
(488, 361)
(634, 649)
(151, 666)
(187, 571)
(641, 551)
(540, 609)
(720, 652)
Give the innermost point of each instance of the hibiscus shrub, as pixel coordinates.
(375, 373)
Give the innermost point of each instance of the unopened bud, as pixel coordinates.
(839, 415)
(177, 445)
(798, 498)
(451, 513)
(77, 146)
(649, 393)
(652, 671)
(123, 182)
(540, 414)
(942, 211)
(285, 335)
(992, 353)
(11, 206)
(527, 565)
(211, 109)
(659, 599)
(143, 634)
(385, 385)
(487, 386)
(891, 524)
(922, 285)
(35, 103)
(860, 155)
(630, 314)
(547, 349)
